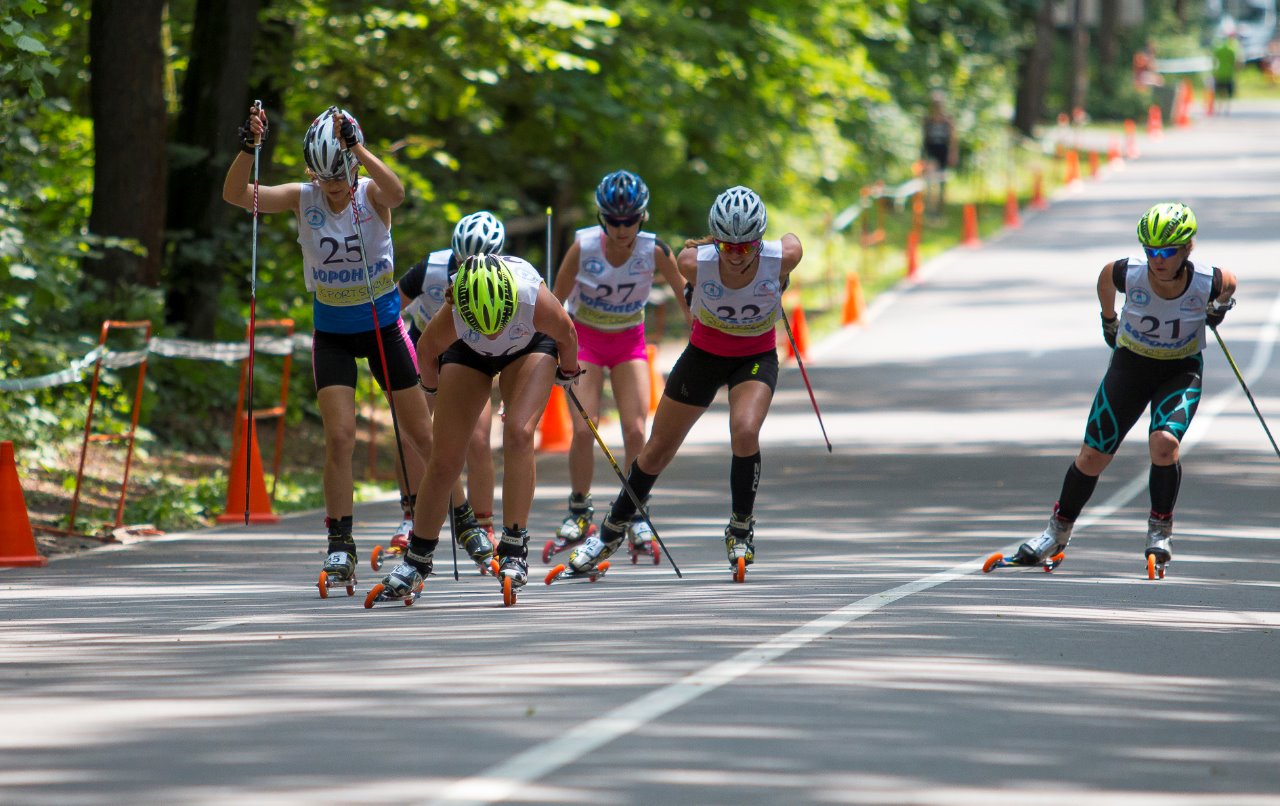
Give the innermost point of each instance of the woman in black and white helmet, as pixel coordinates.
(334, 264)
(735, 288)
(422, 296)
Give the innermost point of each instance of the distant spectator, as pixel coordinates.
(939, 148)
(1144, 68)
(1227, 56)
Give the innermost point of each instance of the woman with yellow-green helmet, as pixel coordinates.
(499, 320)
(1157, 339)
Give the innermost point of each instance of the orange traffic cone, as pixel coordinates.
(1011, 217)
(971, 226)
(854, 301)
(655, 378)
(1071, 174)
(799, 332)
(1208, 101)
(17, 543)
(555, 432)
(1182, 107)
(1155, 127)
(1114, 160)
(1130, 139)
(1094, 159)
(1037, 193)
(913, 253)
(259, 501)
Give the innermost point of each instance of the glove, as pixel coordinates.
(1110, 327)
(347, 133)
(566, 380)
(1216, 311)
(246, 134)
(688, 293)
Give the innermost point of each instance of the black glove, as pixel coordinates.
(246, 135)
(688, 293)
(1110, 327)
(1216, 311)
(347, 133)
(566, 380)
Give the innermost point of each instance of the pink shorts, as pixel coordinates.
(609, 348)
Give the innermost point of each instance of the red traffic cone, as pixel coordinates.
(971, 226)
(854, 301)
(1155, 126)
(1130, 140)
(799, 332)
(1011, 217)
(259, 502)
(1037, 193)
(17, 543)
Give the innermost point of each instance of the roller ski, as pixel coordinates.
(473, 538)
(339, 569)
(739, 545)
(1048, 551)
(403, 584)
(1159, 546)
(640, 542)
(576, 528)
(590, 561)
(511, 565)
(398, 545)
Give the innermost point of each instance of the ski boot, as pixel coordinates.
(339, 566)
(1046, 551)
(399, 542)
(1159, 545)
(511, 566)
(591, 559)
(739, 545)
(576, 528)
(403, 584)
(640, 542)
(472, 537)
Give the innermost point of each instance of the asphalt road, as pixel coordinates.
(866, 660)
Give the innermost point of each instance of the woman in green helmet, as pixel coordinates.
(1156, 341)
(499, 320)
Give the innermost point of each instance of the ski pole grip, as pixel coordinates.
(257, 138)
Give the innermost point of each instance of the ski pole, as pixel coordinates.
(253, 323)
(550, 272)
(630, 492)
(803, 374)
(1245, 387)
(453, 535)
(373, 304)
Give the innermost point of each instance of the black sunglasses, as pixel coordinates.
(622, 222)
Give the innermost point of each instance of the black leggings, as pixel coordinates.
(1170, 387)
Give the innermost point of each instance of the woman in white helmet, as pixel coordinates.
(735, 282)
(335, 259)
(422, 296)
(606, 278)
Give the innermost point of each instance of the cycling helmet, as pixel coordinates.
(484, 289)
(622, 194)
(1167, 224)
(738, 216)
(321, 148)
(478, 234)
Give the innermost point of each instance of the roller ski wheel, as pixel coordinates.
(1155, 568)
(998, 560)
(378, 593)
(646, 551)
(381, 554)
(739, 569)
(508, 592)
(563, 573)
(325, 582)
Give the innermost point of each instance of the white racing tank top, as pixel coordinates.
(748, 311)
(426, 305)
(1163, 328)
(609, 297)
(334, 265)
(519, 331)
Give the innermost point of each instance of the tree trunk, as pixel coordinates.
(215, 100)
(1108, 24)
(1079, 60)
(1033, 73)
(126, 98)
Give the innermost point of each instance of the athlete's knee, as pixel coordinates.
(340, 438)
(1091, 461)
(1164, 447)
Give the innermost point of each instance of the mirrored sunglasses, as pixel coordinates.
(744, 248)
(1161, 252)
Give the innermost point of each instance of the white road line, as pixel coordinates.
(505, 779)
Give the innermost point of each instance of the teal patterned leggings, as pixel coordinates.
(1172, 388)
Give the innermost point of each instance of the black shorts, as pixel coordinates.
(1171, 388)
(698, 375)
(333, 357)
(491, 365)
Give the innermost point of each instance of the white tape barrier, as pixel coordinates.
(169, 348)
